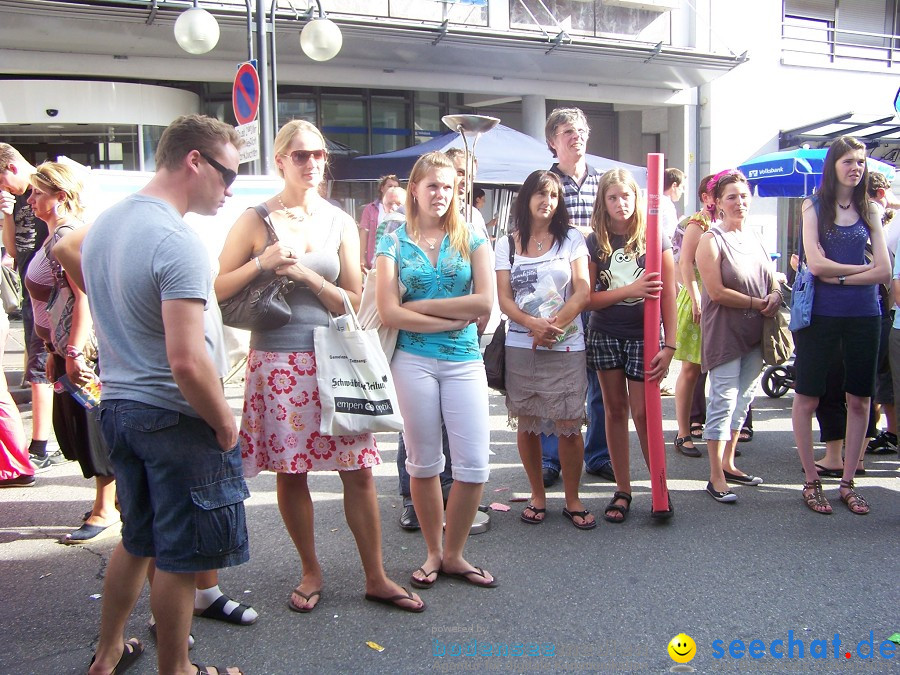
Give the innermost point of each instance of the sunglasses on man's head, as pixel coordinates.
(301, 157)
(228, 175)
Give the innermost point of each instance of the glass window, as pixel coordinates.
(344, 121)
(152, 134)
(429, 107)
(469, 12)
(589, 18)
(428, 122)
(390, 125)
(296, 109)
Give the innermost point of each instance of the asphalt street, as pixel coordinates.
(765, 569)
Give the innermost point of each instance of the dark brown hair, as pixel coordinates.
(537, 182)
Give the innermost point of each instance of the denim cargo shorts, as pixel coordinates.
(181, 496)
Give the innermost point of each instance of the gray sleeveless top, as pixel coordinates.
(730, 332)
(306, 310)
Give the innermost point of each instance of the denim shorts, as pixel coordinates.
(181, 496)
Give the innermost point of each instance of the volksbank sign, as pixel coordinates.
(782, 168)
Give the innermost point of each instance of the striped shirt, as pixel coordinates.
(579, 199)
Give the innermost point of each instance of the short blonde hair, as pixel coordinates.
(8, 155)
(53, 177)
(287, 133)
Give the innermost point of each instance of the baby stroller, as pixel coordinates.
(776, 380)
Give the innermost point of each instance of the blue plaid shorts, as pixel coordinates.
(605, 352)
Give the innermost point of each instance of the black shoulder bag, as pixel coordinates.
(262, 304)
(495, 352)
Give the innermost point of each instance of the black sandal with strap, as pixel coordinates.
(618, 508)
(854, 501)
(816, 500)
(685, 450)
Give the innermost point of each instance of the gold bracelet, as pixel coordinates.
(321, 288)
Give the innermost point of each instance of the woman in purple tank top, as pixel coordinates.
(837, 224)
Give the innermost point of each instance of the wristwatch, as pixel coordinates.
(842, 279)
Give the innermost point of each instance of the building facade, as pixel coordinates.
(710, 83)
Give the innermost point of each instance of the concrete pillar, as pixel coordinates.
(630, 128)
(679, 150)
(534, 115)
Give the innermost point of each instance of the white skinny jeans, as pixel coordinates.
(431, 389)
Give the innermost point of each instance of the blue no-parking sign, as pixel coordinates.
(245, 93)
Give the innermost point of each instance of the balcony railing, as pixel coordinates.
(815, 43)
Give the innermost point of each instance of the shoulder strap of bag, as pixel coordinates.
(814, 200)
(51, 257)
(512, 248)
(263, 212)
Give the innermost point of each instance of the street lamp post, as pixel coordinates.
(197, 32)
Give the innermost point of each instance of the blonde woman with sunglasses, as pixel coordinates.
(318, 249)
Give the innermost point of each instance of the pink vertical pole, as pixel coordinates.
(653, 401)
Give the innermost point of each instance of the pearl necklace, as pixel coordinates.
(290, 214)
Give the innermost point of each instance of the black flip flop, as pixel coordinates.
(467, 577)
(532, 520)
(423, 583)
(91, 533)
(572, 515)
(220, 670)
(133, 649)
(828, 473)
(304, 610)
(394, 601)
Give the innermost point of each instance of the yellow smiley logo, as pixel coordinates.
(682, 648)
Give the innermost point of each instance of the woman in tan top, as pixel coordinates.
(737, 294)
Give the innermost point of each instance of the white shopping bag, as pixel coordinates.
(355, 385)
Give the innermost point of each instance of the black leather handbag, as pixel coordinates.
(495, 358)
(495, 352)
(262, 304)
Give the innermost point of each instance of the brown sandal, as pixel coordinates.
(854, 501)
(816, 499)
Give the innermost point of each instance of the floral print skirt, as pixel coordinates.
(280, 424)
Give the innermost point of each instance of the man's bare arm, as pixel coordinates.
(193, 369)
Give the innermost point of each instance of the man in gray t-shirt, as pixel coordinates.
(171, 433)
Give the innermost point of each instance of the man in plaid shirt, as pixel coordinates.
(567, 133)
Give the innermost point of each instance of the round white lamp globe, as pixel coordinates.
(321, 39)
(196, 31)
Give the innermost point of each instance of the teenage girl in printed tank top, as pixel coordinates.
(615, 342)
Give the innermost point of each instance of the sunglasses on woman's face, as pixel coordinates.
(301, 157)
(228, 175)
